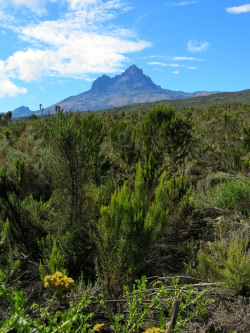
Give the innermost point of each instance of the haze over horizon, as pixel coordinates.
(53, 49)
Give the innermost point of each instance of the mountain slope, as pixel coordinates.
(132, 86)
(23, 111)
(199, 102)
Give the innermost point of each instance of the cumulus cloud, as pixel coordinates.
(239, 9)
(176, 72)
(78, 43)
(27, 65)
(8, 88)
(194, 46)
(72, 53)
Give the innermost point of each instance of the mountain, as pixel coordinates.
(23, 111)
(132, 86)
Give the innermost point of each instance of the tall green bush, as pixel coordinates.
(74, 165)
(126, 230)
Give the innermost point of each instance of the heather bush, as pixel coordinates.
(227, 261)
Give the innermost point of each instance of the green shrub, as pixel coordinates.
(53, 261)
(17, 318)
(126, 230)
(146, 306)
(233, 194)
(228, 262)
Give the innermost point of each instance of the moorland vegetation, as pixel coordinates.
(106, 220)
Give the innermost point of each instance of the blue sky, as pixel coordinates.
(53, 49)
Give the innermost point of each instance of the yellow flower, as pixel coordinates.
(46, 284)
(69, 283)
(154, 330)
(58, 275)
(58, 282)
(98, 327)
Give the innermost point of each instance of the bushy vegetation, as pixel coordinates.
(93, 202)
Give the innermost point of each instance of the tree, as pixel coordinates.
(74, 161)
(8, 116)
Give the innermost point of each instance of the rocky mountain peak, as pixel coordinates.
(132, 78)
(133, 71)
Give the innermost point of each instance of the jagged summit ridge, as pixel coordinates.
(132, 78)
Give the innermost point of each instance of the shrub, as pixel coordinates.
(146, 307)
(233, 194)
(227, 262)
(17, 319)
(127, 229)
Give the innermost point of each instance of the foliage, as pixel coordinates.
(126, 230)
(17, 207)
(52, 262)
(72, 319)
(141, 306)
(165, 135)
(121, 189)
(228, 262)
(74, 160)
(233, 194)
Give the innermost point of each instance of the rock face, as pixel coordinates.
(132, 78)
(132, 86)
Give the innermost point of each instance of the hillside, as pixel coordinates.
(198, 102)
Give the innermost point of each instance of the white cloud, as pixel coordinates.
(182, 3)
(28, 65)
(176, 72)
(78, 43)
(239, 9)
(194, 46)
(79, 4)
(8, 88)
(156, 63)
(186, 58)
(162, 64)
(192, 67)
(71, 52)
(37, 6)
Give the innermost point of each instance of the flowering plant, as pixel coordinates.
(58, 282)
